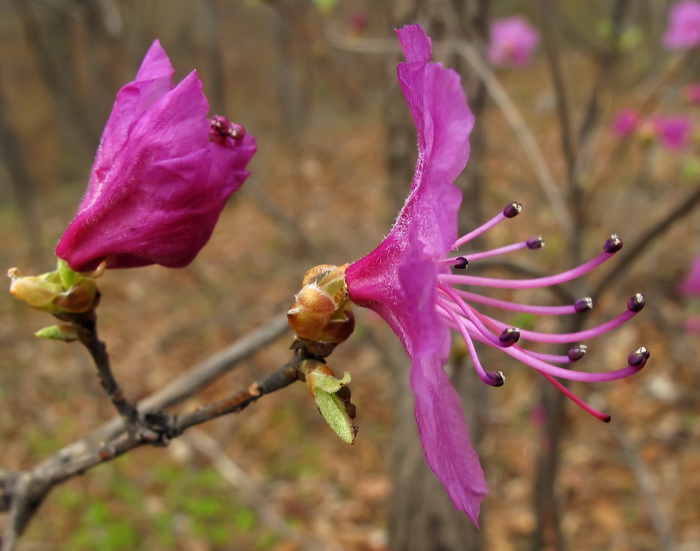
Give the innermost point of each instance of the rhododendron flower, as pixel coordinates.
(408, 281)
(673, 131)
(512, 41)
(683, 30)
(625, 123)
(161, 176)
(690, 286)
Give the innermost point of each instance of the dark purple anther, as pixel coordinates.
(613, 244)
(236, 131)
(512, 210)
(509, 336)
(497, 378)
(535, 242)
(583, 304)
(577, 352)
(222, 128)
(638, 358)
(636, 303)
(460, 263)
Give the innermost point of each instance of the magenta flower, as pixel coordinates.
(161, 176)
(512, 41)
(673, 131)
(625, 123)
(408, 281)
(690, 286)
(683, 30)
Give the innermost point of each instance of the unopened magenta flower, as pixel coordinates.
(512, 41)
(625, 123)
(683, 29)
(673, 131)
(690, 285)
(161, 176)
(409, 281)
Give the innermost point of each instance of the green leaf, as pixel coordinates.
(65, 333)
(333, 410)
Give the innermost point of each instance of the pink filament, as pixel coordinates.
(526, 283)
(500, 217)
(517, 306)
(566, 337)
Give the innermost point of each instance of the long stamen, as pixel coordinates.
(578, 401)
(581, 305)
(511, 210)
(508, 337)
(612, 245)
(490, 378)
(634, 306)
(635, 363)
(533, 243)
(574, 354)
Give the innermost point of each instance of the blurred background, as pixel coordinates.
(315, 83)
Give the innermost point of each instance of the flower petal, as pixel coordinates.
(445, 436)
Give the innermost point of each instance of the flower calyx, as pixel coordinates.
(322, 315)
(332, 397)
(63, 292)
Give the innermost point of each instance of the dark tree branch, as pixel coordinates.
(683, 208)
(21, 493)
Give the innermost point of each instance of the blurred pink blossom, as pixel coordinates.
(691, 93)
(683, 30)
(673, 131)
(512, 42)
(690, 285)
(625, 123)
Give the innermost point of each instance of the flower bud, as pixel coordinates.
(321, 313)
(62, 291)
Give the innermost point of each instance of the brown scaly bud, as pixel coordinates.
(321, 315)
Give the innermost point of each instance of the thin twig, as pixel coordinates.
(528, 142)
(683, 208)
(551, 48)
(87, 334)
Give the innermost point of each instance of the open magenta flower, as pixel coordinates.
(408, 281)
(512, 41)
(161, 176)
(683, 29)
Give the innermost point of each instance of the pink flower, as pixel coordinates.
(690, 286)
(683, 30)
(512, 41)
(673, 131)
(625, 123)
(408, 281)
(161, 176)
(692, 93)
